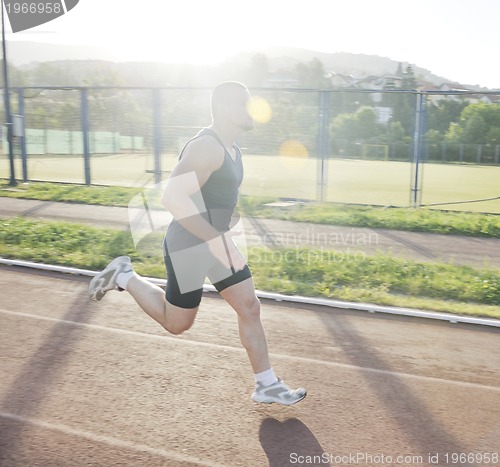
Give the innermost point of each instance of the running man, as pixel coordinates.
(201, 194)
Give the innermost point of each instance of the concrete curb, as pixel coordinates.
(370, 308)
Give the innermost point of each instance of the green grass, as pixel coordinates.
(417, 220)
(71, 193)
(70, 244)
(347, 181)
(383, 183)
(409, 219)
(379, 279)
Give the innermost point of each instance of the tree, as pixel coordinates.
(361, 125)
(479, 124)
(312, 74)
(409, 79)
(366, 121)
(441, 115)
(474, 130)
(395, 132)
(489, 112)
(493, 136)
(403, 104)
(259, 70)
(454, 133)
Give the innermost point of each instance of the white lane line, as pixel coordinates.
(109, 440)
(181, 340)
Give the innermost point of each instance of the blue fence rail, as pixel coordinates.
(150, 125)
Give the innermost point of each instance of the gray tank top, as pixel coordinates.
(220, 196)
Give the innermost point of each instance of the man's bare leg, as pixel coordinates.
(119, 274)
(243, 300)
(151, 299)
(268, 388)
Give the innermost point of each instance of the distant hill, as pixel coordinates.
(26, 54)
(23, 52)
(359, 65)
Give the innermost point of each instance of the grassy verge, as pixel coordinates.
(379, 279)
(409, 219)
(417, 220)
(71, 193)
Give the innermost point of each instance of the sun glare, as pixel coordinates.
(293, 154)
(197, 32)
(259, 109)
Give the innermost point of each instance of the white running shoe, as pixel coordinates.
(278, 392)
(106, 279)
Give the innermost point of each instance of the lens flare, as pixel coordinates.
(259, 109)
(293, 154)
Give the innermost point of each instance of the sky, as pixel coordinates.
(455, 39)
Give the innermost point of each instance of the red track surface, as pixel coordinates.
(101, 384)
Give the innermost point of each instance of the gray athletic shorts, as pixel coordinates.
(186, 273)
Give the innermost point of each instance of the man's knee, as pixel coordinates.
(179, 320)
(178, 328)
(251, 308)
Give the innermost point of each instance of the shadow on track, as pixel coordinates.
(284, 442)
(38, 375)
(401, 402)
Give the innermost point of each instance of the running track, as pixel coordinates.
(100, 384)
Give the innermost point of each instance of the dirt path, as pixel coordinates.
(476, 252)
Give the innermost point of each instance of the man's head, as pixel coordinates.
(229, 105)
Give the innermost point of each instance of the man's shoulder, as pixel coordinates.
(204, 148)
(205, 144)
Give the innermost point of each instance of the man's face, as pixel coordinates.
(239, 110)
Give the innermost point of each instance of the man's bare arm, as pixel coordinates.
(182, 197)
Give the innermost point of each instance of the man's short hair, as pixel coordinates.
(223, 94)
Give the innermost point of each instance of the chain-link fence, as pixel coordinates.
(377, 147)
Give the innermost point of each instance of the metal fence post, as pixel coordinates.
(8, 114)
(416, 190)
(156, 95)
(85, 132)
(323, 144)
(22, 138)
